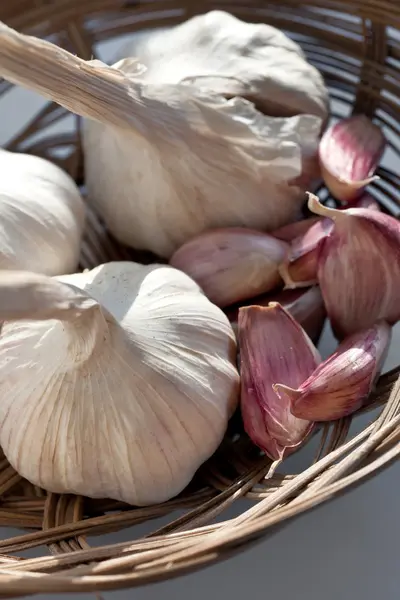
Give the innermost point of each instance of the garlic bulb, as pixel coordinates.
(220, 52)
(207, 163)
(165, 162)
(41, 216)
(117, 382)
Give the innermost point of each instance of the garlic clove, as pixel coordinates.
(232, 264)
(349, 154)
(359, 268)
(365, 201)
(289, 232)
(254, 161)
(309, 311)
(340, 384)
(305, 306)
(299, 269)
(127, 385)
(273, 348)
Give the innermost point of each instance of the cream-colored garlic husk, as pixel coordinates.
(165, 162)
(41, 216)
(215, 163)
(122, 390)
(220, 52)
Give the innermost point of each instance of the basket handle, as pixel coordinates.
(88, 88)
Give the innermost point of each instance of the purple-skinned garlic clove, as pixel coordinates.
(359, 268)
(232, 264)
(340, 385)
(309, 311)
(305, 305)
(273, 348)
(365, 201)
(291, 231)
(299, 269)
(349, 154)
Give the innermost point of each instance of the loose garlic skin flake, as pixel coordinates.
(122, 400)
(41, 216)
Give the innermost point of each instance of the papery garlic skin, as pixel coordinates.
(232, 264)
(359, 268)
(219, 52)
(124, 399)
(273, 349)
(41, 216)
(196, 162)
(340, 384)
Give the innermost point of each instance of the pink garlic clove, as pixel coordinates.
(232, 264)
(273, 348)
(305, 306)
(289, 232)
(339, 386)
(309, 311)
(359, 268)
(299, 269)
(283, 297)
(349, 154)
(365, 201)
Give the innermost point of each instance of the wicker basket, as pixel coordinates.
(357, 47)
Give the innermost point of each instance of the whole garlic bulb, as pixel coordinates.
(252, 60)
(165, 162)
(202, 162)
(41, 216)
(117, 382)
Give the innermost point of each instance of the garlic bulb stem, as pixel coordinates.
(77, 85)
(25, 295)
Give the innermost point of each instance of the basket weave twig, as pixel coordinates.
(356, 45)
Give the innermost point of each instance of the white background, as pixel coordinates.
(348, 548)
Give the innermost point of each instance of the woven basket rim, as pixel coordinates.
(360, 59)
